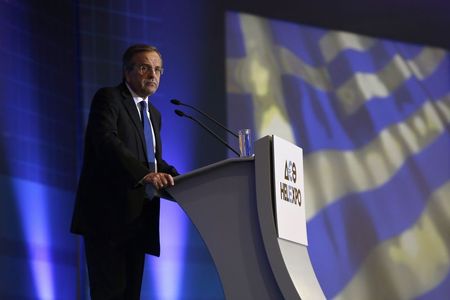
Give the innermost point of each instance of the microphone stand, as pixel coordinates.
(178, 102)
(182, 114)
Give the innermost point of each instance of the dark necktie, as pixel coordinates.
(148, 134)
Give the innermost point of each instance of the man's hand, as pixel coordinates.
(159, 180)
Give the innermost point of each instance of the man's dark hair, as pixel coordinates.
(132, 50)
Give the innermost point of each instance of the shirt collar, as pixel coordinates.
(136, 98)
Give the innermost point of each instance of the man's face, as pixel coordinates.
(144, 77)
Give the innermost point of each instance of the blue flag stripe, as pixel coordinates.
(320, 122)
(234, 40)
(350, 62)
(437, 84)
(371, 217)
(294, 38)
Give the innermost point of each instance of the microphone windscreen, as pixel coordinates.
(179, 112)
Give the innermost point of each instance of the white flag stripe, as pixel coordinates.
(334, 42)
(270, 57)
(291, 64)
(426, 62)
(416, 261)
(354, 92)
(363, 87)
(344, 172)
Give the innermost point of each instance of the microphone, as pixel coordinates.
(178, 102)
(182, 114)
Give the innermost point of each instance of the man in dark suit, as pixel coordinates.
(116, 210)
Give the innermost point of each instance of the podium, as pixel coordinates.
(231, 205)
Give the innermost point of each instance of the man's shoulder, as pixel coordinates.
(115, 94)
(110, 96)
(119, 90)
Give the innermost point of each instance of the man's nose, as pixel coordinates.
(151, 72)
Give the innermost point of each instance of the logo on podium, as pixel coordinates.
(289, 191)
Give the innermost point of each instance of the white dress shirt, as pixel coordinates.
(138, 99)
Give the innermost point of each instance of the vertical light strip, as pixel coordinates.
(31, 201)
(167, 270)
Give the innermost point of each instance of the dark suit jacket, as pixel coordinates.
(110, 202)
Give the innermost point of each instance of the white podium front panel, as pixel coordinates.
(289, 191)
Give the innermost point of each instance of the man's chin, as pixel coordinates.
(151, 88)
(148, 91)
